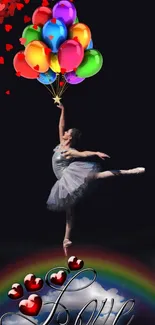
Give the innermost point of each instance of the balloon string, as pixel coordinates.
(65, 88)
(58, 83)
(54, 93)
(49, 90)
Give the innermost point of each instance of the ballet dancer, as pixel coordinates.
(75, 175)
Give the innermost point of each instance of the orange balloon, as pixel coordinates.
(81, 32)
(37, 57)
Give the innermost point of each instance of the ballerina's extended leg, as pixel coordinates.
(110, 173)
(69, 226)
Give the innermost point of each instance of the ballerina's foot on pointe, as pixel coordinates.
(138, 170)
(66, 243)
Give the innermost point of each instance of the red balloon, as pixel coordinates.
(23, 68)
(70, 55)
(41, 15)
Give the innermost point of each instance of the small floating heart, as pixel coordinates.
(31, 306)
(58, 278)
(74, 263)
(16, 292)
(32, 283)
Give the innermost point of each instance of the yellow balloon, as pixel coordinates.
(37, 57)
(82, 33)
(54, 63)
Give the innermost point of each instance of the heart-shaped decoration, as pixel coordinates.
(8, 47)
(7, 92)
(19, 6)
(22, 40)
(47, 51)
(8, 27)
(31, 306)
(36, 67)
(32, 283)
(16, 292)
(58, 278)
(75, 264)
(27, 19)
(18, 74)
(1, 60)
(2, 6)
(45, 3)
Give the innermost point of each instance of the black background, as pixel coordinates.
(114, 111)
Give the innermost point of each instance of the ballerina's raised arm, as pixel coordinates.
(61, 122)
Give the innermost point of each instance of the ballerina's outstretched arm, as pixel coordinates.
(61, 122)
(77, 154)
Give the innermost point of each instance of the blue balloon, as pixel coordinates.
(54, 34)
(47, 78)
(90, 46)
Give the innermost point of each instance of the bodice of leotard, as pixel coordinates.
(59, 162)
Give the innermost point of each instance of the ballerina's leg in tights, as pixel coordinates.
(69, 225)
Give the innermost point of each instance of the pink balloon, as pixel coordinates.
(70, 55)
(41, 15)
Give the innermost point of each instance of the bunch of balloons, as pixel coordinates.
(57, 43)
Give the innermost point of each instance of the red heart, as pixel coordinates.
(45, 3)
(31, 306)
(36, 67)
(22, 40)
(19, 6)
(61, 83)
(2, 6)
(26, 1)
(51, 37)
(32, 283)
(8, 28)
(7, 92)
(9, 47)
(18, 74)
(53, 20)
(58, 278)
(27, 19)
(16, 292)
(74, 263)
(35, 27)
(63, 70)
(1, 60)
(21, 56)
(76, 39)
(47, 51)
(11, 9)
(5, 1)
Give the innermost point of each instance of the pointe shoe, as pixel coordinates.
(66, 243)
(138, 170)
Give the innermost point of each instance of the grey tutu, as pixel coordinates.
(75, 178)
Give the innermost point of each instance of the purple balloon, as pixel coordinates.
(72, 79)
(66, 11)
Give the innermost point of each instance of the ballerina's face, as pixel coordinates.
(67, 135)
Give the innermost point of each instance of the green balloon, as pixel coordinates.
(91, 64)
(31, 34)
(76, 20)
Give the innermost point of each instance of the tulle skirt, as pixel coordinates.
(77, 180)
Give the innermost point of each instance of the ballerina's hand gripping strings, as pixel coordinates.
(74, 174)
